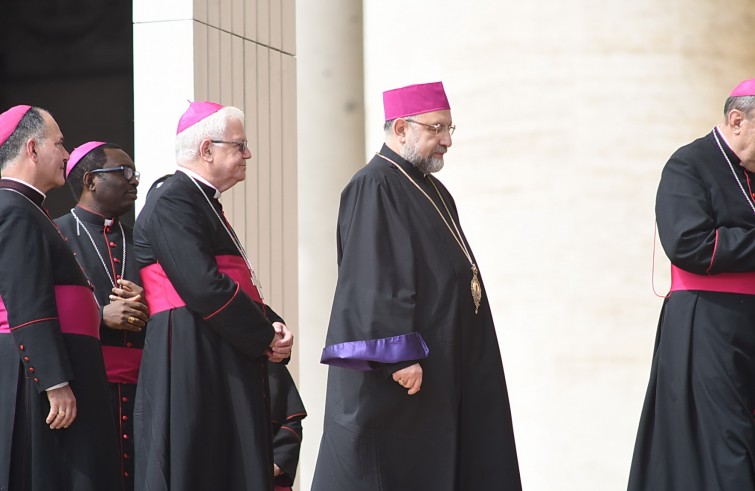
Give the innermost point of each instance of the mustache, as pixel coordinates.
(440, 149)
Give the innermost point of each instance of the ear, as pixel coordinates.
(89, 182)
(400, 127)
(205, 150)
(31, 148)
(734, 120)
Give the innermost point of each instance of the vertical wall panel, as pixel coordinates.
(213, 64)
(288, 22)
(238, 16)
(263, 21)
(289, 193)
(201, 68)
(264, 191)
(276, 174)
(213, 12)
(252, 171)
(237, 99)
(226, 23)
(200, 13)
(276, 29)
(250, 19)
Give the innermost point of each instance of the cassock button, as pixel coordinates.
(26, 358)
(129, 345)
(116, 260)
(125, 418)
(117, 277)
(125, 399)
(125, 474)
(125, 436)
(107, 230)
(21, 347)
(36, 380)
(31, 369)
(125, 456)
(112, 244)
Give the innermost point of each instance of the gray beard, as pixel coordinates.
(428, 165)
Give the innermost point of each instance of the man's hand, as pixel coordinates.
(283, 342)
(129, 315)
(62, 408)
(127, 290)
(409, 378)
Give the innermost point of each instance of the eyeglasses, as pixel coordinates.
(128, 172)
(242, 144)
(437, 127)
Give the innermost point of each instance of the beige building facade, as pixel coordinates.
(566, 113)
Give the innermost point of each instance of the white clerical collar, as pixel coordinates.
(723, 137)
(26, 184)
(201, 179)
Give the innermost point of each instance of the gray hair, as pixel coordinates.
(388, 126)
(744, 103)
(212, 127)
(32, 125)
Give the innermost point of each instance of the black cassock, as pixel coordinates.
(696, 431)
(287, 411)
(202, 415)
(401, 273)
(48, 335)
(121, 349)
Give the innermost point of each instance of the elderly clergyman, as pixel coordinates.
(202, 405)
(417, 397)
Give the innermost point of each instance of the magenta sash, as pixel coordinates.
(160, 294)
(122, 364)
(723, 282)
(77, 312)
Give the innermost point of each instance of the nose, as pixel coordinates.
(247, 153)
(445, 139)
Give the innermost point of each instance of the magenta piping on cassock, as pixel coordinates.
(77, 312)
(373, 353)
(161, 296)
(743, 283)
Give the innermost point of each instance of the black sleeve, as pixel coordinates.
(27, 290)
(693, 234)
(287, 412)
(179, 233)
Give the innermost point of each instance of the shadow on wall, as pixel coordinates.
(74, 58)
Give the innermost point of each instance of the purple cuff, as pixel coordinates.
(372, 353)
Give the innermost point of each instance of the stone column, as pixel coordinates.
(331, 148)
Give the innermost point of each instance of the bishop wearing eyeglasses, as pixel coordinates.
(103, 180)
(202, 412)
(416, 395)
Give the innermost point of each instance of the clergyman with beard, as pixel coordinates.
(416, 394)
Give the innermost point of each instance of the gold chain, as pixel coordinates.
(475, 286)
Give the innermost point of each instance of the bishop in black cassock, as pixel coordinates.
(697, 430)
(417, 397)
(96, 174)
(56, 425)
(202, 416)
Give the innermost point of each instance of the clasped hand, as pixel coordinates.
(281, 345)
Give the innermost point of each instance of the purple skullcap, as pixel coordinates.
(414, 99)
(79, 153)
(197, 112)
(745, 88)
(9, 121)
